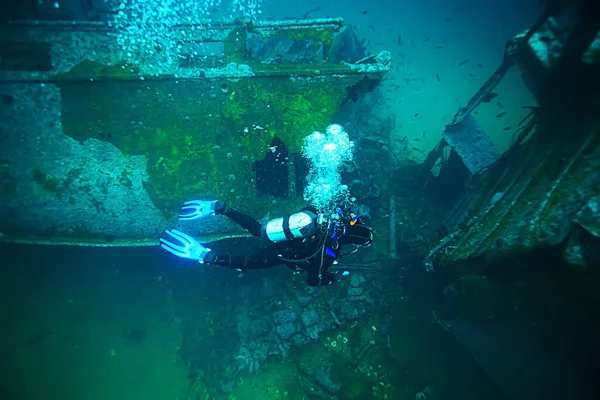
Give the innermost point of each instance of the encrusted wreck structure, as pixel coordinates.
(545, 188)
(518, 252)
(101, 147)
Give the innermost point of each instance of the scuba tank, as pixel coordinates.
(302, 224)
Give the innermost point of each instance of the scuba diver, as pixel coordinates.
(303, 241)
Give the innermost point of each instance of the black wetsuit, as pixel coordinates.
(295, 253)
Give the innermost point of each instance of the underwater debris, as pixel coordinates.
(423, 394)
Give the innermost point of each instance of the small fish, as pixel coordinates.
(371, 27)
(424, 133)
(448, 19)
(416, 114)
(471, 75)
(406, 80)
(499, 104)
(426, 40)
(508, 128)
(489, 97)
(479, 65)
(437, 76)
(502, 114)
(525, 118)
(439, 47)
(369, 42)
(415, 139)
(364, 12)
(400, 40)
(545, 39)
(391, 30)
(463, 62)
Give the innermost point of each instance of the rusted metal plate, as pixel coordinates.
(530, 198)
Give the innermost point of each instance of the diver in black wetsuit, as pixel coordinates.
(304, 241)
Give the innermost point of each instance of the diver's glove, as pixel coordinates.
(195, 209)
(185, 246)
(341, 274)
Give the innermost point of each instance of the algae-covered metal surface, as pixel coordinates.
(544, 191)
(95, 148)
(537, 195)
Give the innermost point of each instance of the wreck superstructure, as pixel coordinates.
(100, 150)
(518, 251)
(545, 188)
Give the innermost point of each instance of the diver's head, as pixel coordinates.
(357, 234)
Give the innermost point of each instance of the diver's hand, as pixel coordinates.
(185, 246)
(195, 209)
(341, 274)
